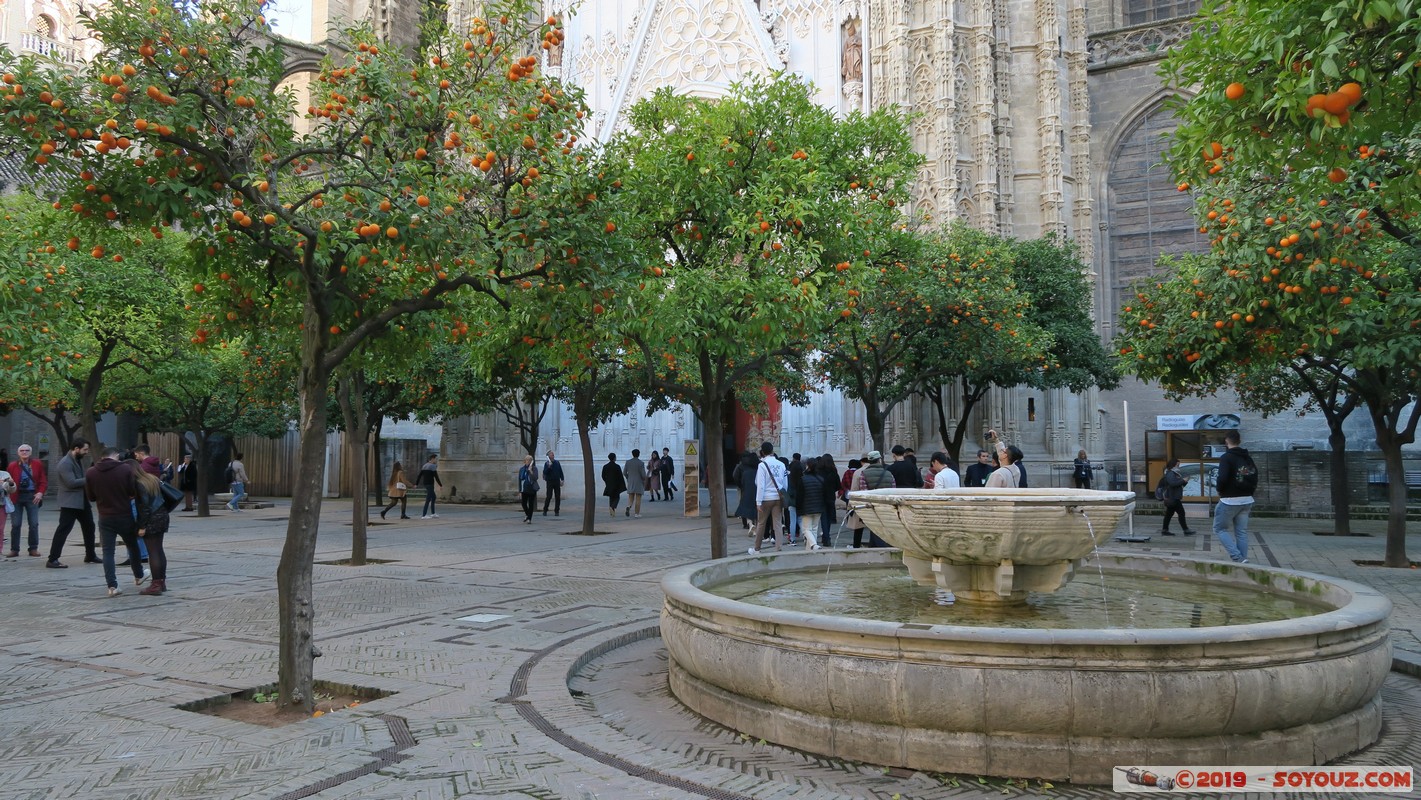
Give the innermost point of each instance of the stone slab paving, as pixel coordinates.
(552, 688)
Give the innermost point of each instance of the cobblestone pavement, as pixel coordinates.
(523, 661)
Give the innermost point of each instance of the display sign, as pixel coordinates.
(1196, 422)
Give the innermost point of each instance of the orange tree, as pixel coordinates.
(1267, 376)
(755, 214)
(421, 175)
(75, 318)
(1055, 344)
(1302, 145)
(927, 318)
(562, 333)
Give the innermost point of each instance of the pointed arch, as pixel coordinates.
(1145, 213)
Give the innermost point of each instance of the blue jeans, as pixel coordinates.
(31, 509)
(239, 493)
(111, 529)
(1231, 526)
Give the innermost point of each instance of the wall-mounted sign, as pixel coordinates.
(1196, 422)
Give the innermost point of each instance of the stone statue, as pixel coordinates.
(852, 70)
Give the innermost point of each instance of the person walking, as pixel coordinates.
(794, 470)
(653, 476)
(528, 488)
(635, 473)
(1236, 481)
(237, 477)
(152, 523)
(553, 477)
(813, 497)
(397, 489)
(1171, 490)
(771, 478)
(668, 474)
(112, 486)
(73, 506)
(30, 485)
(187, 481)
(829, 516)
(614, 483)
(744, 477)
(429, 478)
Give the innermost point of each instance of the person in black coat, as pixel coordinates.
(187, 481)
(1173, 482)
(813, 499)
(744, 477)
(615, 483)
(553, 478)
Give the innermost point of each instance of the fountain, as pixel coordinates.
(1005, 693)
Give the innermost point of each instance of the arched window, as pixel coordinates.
(1147, 214)
(46, 26)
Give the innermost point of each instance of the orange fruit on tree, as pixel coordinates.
(1336, 103)
(1352, 91)
(1337, 175)
(1234, 91)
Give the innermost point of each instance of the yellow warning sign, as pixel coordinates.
(691, 447)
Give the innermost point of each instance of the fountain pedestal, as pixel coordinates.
(993, 546)
(1006, 583)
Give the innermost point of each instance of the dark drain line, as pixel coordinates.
(532, 717)
(404, 740)
(519, 687)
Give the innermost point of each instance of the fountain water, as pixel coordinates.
(1026, 699)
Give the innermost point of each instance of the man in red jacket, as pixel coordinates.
(30, 486)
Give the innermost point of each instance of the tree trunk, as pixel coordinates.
(1390, 445)
(935, 396)
(359, 447)
(1341, 499)
(296, 658)
(199, 459)
(589, 476)
(714, 429)
(351, 396)
(875, 418)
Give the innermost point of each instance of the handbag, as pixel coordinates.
(400, 485)
(171, 496)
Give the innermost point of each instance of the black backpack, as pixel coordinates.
(229, 475)
(1246, 476)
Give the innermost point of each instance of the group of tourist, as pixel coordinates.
(636, 478)
(126, 488)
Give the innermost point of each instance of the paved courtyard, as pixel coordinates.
(524, 663)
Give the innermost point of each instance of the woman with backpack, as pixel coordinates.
(528, 488)
(152, 523)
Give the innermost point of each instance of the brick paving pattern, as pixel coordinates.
(553, 689)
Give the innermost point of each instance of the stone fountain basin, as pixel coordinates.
(988, 526)
(1052, 704)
